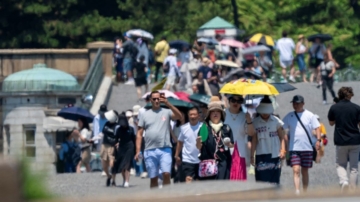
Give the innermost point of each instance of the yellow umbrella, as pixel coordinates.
(249, 87)
(262, 38)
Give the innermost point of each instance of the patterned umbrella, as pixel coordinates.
(232, 43)
(140, 33)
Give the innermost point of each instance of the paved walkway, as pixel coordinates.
(124, 97)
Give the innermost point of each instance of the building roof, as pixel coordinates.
(40, 78)
(217, 23)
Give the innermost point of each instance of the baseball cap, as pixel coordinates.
(127, 35)
(298, 99)
(103, 108)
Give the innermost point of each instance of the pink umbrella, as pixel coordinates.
(183, 96)
(232, 43)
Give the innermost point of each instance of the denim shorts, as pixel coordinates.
(156, 160)
(127, 64)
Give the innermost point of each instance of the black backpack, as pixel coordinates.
(166, 68)
(73, 155)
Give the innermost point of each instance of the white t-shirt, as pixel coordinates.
(172, 63)
(267, 135)
(285, 47)
(237, 125)
(298, 140)
(86, 134)
(188, 135)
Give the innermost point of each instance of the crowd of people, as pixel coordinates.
(193, 66)
(221, 140)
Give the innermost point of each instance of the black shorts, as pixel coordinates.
(140, 81)
(190, 169)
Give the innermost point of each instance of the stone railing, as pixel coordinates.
(73, 61)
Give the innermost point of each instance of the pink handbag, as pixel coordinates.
(208, 168)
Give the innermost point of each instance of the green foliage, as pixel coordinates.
(73, 23)
(34, 187)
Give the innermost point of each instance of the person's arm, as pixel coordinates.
(96, 128)
(231, 136)
(176, 114)
(250, 125)
(282, 142)
(331, 117)
(138, 142)
(179, 147)
(297, 48)
(333, 71)
(254, 143)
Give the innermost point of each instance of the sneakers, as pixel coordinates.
(324, 102)
(251, 170)
(132, 171)
(103, 173)
(297, 192)
(126, 185)
(344, 187)
(291, 78)
(144, 175)
(130, 82)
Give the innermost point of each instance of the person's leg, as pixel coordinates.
(174, 87)
(88, 168)
(354, 160)
(138, 91)
(78, 167)
(342, 154)
(305, 178)
(330, 86)
(324, 84)
(158, 65)
(165, 158)
(152, 166)
(292, 69)
(296, 171)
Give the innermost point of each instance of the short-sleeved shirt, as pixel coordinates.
(172, 61)
(188, 135)
(140, 69)
(267, 135)
(156, 123)
(299, 140)
(326, 68)
(347, 118)
(285, 46)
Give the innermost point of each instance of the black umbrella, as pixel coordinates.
(283, 87)
(322, 37)
(76, 113)
(179, 44)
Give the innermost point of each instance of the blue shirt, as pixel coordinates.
(98, 125)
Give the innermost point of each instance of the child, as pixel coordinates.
(324, 140)
(140, 78)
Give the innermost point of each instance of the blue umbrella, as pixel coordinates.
(75, 113)
(178, 44)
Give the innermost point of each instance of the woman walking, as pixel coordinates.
(301, 48)
(237, 120)
(215, 139)
(327, 70)
(84, 139)
(268, 142)
(124, 151)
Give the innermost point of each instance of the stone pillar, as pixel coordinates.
(107, 54)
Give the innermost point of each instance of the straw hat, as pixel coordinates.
(111, 116)
(206, 60)
(301, 36)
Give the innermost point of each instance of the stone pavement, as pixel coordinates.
(322, 176)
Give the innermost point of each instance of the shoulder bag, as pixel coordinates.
(307, 133)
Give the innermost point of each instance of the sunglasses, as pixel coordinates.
(154, 99)
(236, 101)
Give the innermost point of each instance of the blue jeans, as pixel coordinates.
(301, 62)
(70, 167)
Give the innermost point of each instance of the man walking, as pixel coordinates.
(299, 126)
(156, 123)
(98, 125)
(286, 47)
(187, 143)
(130, 52)
(161, 51)
(345, 115)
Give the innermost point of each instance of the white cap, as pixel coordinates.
(128, 114)
(136, 109)
(173, 51)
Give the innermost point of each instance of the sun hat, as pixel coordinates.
(300, 36)
(128, 114)
(173, 51)
(136, 109)
(111, 116)
(215, 105)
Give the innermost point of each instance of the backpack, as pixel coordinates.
(166, 67)
(134, 50)
(73, 155)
